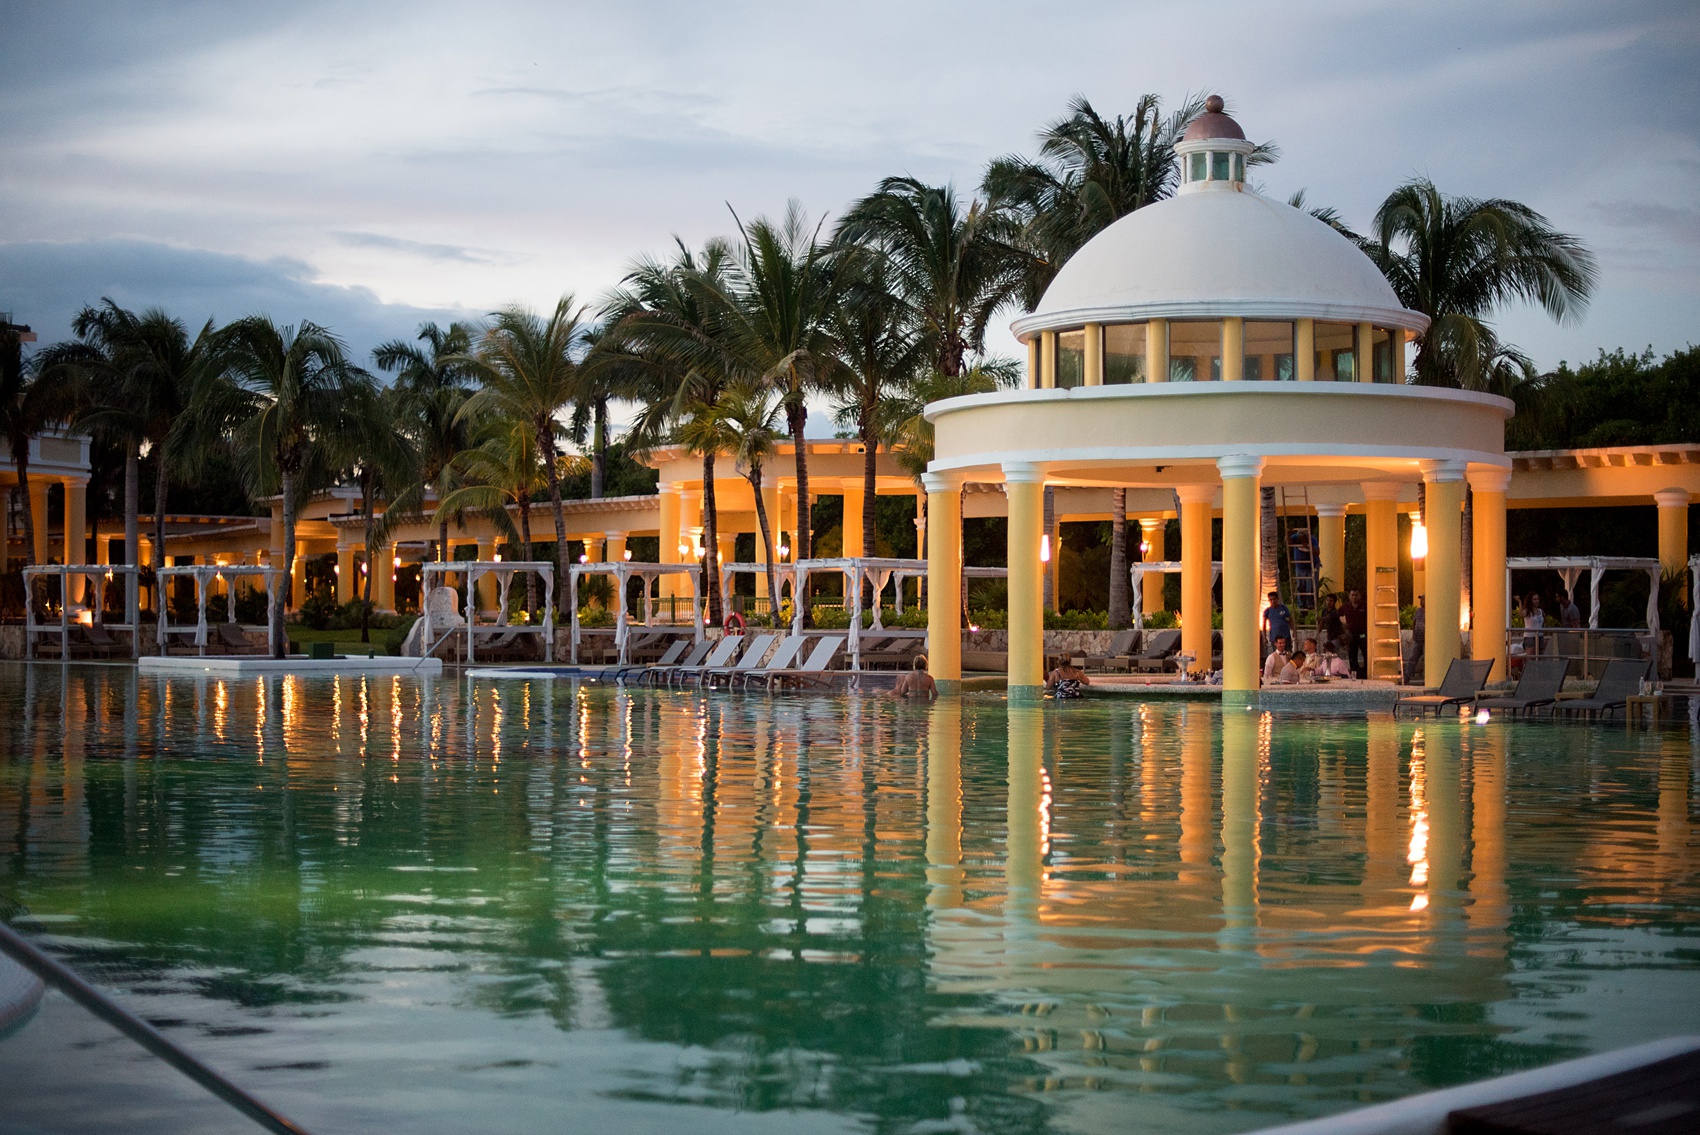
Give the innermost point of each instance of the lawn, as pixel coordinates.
(387, 641)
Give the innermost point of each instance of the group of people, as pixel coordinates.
(1336, 650)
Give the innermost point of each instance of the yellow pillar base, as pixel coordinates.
(1240, 572)
(1445, 497)
(1196, 509)
(1487, 545)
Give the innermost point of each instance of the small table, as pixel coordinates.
(1639, 705)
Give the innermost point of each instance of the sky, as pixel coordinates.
(370, 166)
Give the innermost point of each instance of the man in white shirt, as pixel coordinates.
(1277, 659)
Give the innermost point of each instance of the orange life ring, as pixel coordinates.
(733, 620)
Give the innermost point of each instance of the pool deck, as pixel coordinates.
(242, 666)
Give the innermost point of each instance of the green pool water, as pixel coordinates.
(449, 906)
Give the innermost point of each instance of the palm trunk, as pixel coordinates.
(1269, 542)
(132, 502)
(366, 588)
(767, 542)
(525, 545)
(159, 492)
(546, 444)
(870, 459)
(281, 599)
(599, 448)
(797, 417)
(21, 460)
(1120, 615)
(710, 542)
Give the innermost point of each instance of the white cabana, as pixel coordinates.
(782, 575)
(504, 571)
(623, 570)
(856, 571)
(1694, 611)
(1570, 569)
(71, 612)
(1139, 571)
(204, 576)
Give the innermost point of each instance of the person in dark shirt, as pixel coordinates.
(1356, 618)
(1328, 624)
(1277, 620)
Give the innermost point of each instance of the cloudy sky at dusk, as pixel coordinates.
(368, 166)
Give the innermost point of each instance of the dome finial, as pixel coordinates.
(1214, 104)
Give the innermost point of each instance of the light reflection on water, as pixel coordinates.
(500, 906)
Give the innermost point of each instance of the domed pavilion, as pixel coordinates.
(1212, 344)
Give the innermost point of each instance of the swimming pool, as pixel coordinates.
(441, 905)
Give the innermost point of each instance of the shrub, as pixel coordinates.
(1162, 621)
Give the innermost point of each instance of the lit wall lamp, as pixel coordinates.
(1419, 540)
(584, 557)
(1045, 549)
(628, 555)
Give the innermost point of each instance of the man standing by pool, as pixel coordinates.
(1277, 621)
(1356, 617)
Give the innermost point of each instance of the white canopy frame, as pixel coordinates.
(1139, 571)
(782, 574)
(856, 571)
(204, 575)
(504, 571)
(1570, 569)
(1694, 611)
(623, 570)
(97, 574)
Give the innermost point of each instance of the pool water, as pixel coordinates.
(474, 906)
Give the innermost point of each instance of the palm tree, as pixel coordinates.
(297, 408)
(1456, 259)
(386, 466)
(30, 402)
(1121, 592)
(944, 260)
(873, 332)
(529, 370)
(504, 467)
(144, 375)
(665, 338)
(750, 433)
(433, 383)
(1091, 172)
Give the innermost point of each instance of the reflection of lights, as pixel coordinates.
(1481, 717)
(1417, 854)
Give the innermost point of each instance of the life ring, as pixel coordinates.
(734, 620)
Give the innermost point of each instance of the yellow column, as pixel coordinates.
(944, 581)
(1364, 356)
(592, 550)
(614, 547)
(1241, 476)
(1048, 359)
(1487, 547)
(1673, 530)
(382, 564)
(1381, 571)
(1396, 340)
(76, 532)
(1094, 354)
(1033, 363)
(488, 595)
(1331, 540)
(1233, 349)
(38, 506)
(853, 502)
(344, 573)
(1151, 536)
(1444, 517)
(298, 582)
(1157, 350)
(1304, 350)
(1025, 485)
(668, 507)
(1196, 501)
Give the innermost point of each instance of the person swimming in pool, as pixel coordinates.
(917, 683)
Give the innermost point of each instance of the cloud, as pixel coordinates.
(421, 249)
(44, 284)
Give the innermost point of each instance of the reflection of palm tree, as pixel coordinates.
(1456, 259)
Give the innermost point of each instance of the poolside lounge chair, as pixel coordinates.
(783, 658)
(1158, 647)
(1464, 679)
(99, 641)
(752, 657)
(720, 655)
(1621, 681)
(898, 653)
(1539, 684)
(813, 672)
(674, 654)
(1117, 656)
(698, 654)
(235, 640)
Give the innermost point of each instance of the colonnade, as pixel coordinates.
(1236, 484)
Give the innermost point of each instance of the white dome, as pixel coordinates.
(1215, 253)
